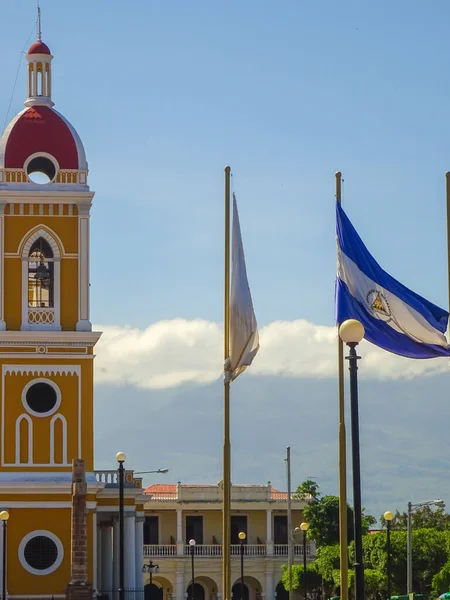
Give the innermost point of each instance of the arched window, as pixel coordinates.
(41, 271)
(40, 275)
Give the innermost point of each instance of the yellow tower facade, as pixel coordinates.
(46, 338)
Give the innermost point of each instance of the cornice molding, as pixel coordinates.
(69, 338)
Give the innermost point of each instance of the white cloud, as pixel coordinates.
(171, 353)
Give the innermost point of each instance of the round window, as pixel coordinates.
(41, 552)
(41, 397)
(41, 170)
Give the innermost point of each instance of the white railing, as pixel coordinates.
(157, 550)
(249, 550)
(162, 497)
(282, 550)
(216, 550)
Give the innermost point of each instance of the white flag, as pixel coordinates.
(244, 338)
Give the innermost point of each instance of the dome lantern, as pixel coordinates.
(39, 60)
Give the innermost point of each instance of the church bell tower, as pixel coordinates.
(46, 337)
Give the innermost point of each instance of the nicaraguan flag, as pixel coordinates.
(394, 317)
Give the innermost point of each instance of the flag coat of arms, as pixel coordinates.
(394, 317)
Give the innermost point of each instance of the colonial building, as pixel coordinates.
(177, 514)
(47, 352)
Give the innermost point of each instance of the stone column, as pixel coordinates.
(139, 541)
(130, 552)
(180, 542)
(116, 553)
(107, 558)
(269, 535)
(79, 587)
(269, 583)
(180, 585)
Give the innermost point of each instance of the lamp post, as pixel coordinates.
(121, 458)
(409, 566)
(162, 471)
(304, 527)
(150, 568)
(192, 549)
(4, 516)
(242, 535)
(351, 333)
(388, 516)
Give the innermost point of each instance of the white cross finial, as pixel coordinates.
(39, 32)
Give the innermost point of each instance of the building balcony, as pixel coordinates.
(215, 550)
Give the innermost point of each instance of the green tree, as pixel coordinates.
(313, 578)
(308, 490)
(323, 519)
(423, 518)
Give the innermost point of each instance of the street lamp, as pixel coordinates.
(388, 516)
(409, 563)
(351, 333)
(242, 535)
(4, 516)
(192, 549)
(121, 458)
(150, 568)
(304, 527)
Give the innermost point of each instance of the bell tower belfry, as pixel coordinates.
(46, 337)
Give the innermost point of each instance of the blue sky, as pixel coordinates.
(288, 92)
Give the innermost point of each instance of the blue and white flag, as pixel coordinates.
(394, 318)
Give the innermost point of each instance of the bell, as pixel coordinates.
(41, 272)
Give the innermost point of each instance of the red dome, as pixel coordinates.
(39, 48)
(41, 129)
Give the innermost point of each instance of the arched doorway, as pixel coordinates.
(238, 593)
(281, 592)
(199, 592)
(153, 592)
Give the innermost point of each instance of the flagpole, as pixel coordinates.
(342, 453)
(226, 513)
(447, 181)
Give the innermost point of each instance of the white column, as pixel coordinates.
(95, 550)
(180, 585)
(180, 543)
(130, 552)
(270, 595)
(139, 541)
(107, 558)
(83, 269)
(116, 547)
(269, 535)
(2, 266)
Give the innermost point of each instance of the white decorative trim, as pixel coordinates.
(83, 274)
(30, 536)
(41, 370)
(2, 269)
(63, 421)
(27, 418)
(49, 157)
(28, 408)
(41, 231)
(84, 338)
